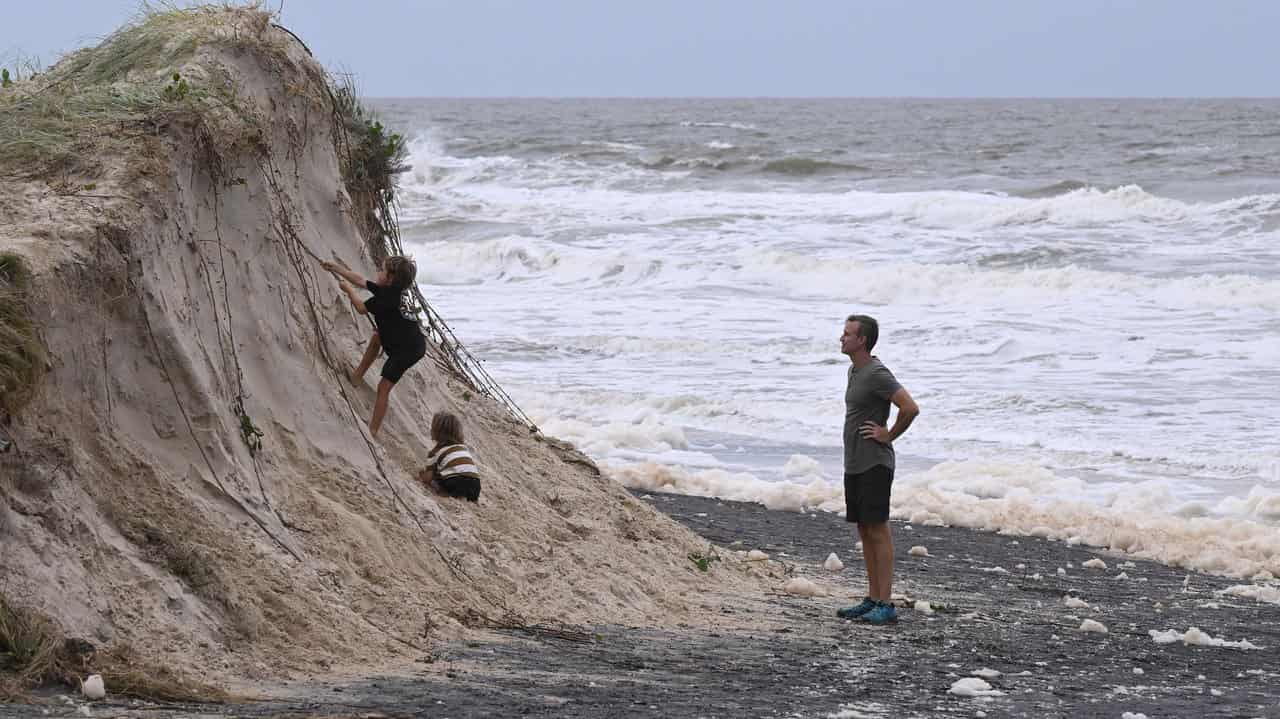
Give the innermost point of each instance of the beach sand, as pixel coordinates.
(791, 656)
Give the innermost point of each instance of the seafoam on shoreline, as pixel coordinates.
(1241, 541)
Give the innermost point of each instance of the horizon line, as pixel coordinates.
(823, 97)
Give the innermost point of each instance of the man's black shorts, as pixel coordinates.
(866, 495)
(396, 365)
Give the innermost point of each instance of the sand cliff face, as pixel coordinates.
(183, 310)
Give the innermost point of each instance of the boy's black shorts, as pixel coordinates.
(866, 495)
(467, 488)
(399, 362)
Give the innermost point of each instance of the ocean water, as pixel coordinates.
(1083, 296)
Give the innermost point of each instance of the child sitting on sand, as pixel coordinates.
(397, 329)
(450, 469)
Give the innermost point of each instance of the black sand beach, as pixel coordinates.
(804, 662)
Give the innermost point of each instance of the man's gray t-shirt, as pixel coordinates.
(866, 399)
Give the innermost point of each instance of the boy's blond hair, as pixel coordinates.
(401, 271)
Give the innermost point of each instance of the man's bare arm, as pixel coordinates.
(908, 410)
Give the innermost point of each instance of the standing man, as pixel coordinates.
(869, 462)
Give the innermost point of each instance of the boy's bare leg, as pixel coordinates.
(370, 354)
(380, 405)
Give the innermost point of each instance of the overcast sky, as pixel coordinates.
(808, 48)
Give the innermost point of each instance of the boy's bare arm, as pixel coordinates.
(349, 275)
(354, 295)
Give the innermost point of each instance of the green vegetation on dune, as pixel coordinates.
(22, 355)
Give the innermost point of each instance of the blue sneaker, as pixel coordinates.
(857, 610)
(883, 613)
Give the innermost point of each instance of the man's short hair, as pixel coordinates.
(867, 327)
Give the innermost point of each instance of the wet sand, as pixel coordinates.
(804, 662)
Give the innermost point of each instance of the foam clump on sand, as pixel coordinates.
(973, 687)
(756, 555)
(801, 587)
(1075, 603)
(1090, 625)
(1094, 563)
(1194, 636)
(919, 551)
(833, 563)
(93, 687)
(852, 713)
(1270, 595)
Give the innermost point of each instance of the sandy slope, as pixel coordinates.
(171, 286)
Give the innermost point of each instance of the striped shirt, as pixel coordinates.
(453, 460)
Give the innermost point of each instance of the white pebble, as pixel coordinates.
(1216, 692)
(833, 563)
(985, 673)
(756, 555)
(1138, 671)
(93, 687)
(1061, 571)
(919, 551)
(1075, 603)
(1090, 625)
(923, 607)
(1094, 563)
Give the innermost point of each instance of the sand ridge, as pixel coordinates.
(184, 312)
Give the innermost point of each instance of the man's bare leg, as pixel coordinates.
(868, 558)
(877, 548)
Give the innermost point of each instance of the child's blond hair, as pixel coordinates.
(401, 271)
(446, 429)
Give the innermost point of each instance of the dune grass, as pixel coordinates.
(22, 355)
(29, 648)
(105, 99)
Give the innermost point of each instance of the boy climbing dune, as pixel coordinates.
(397, 329)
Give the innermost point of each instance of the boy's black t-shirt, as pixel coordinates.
(397, 326)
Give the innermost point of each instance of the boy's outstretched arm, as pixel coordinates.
(354, 295)
(350, 276)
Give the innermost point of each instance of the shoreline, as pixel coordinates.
(802, 661)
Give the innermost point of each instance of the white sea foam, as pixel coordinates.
(1015, 499)
(1270, 595)
(1194, 636)
(635, 309)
